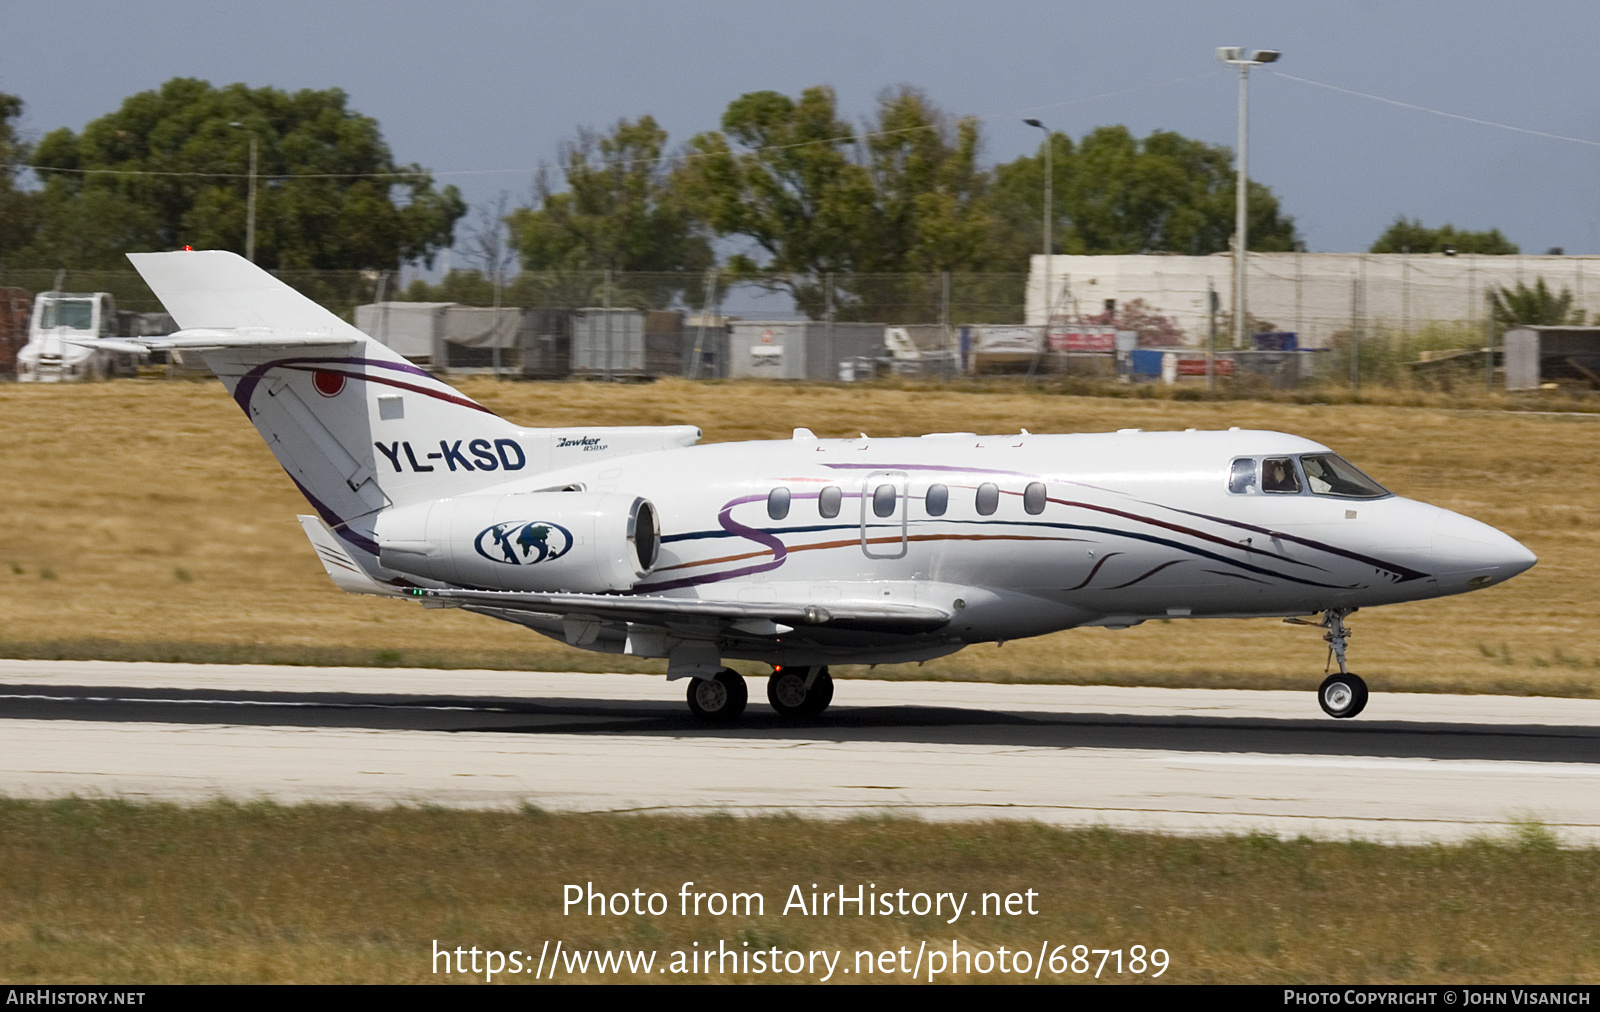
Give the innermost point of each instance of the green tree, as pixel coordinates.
(1536, 306)
(931, 196)
(1413, 237)
(905, 197)
(781, 175)
(19, 209)
(931, 214)
(1114, 193)
(621, 211)
(169, 168)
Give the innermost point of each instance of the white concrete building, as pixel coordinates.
(1313, 294)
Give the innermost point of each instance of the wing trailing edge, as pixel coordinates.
(897, 618)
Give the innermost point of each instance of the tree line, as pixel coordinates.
(171, 168)
(786, 193)
(796, 193)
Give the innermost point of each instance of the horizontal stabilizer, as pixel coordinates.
(212, 340)
(896, 618)
(121, 345)
(347, 574)
(215, 289)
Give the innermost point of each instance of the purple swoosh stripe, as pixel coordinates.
(333, 520)
(1201, 535)
(247, 383)
(1405, 572)
(780, 552)
(1103, 560)
(1146, 576)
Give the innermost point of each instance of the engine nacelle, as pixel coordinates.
(536, 541)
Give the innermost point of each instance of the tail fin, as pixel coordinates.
(355, 425)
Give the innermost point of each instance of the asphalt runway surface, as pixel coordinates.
(1414, 767)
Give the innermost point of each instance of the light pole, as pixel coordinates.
(1049, 180)
(1234, 56)
(250, 207)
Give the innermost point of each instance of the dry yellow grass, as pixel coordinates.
(110, 892)
(147, 519)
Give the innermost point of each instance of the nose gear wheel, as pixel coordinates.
(1342, 695)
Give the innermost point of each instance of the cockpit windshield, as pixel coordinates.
(1325, 474)
(1331, 474)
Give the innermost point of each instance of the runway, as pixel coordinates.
(1414, 767)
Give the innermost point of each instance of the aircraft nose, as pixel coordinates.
(1468, 554)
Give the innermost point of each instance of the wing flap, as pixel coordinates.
(836, 615)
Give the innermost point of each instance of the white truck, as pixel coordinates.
(61, 324)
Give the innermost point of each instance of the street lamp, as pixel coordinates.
(1049, 179)
(250, 208)
(1234, 56)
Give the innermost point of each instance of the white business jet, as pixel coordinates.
(804, 552)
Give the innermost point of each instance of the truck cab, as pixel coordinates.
(59, 321)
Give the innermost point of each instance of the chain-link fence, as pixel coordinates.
(1367, 319)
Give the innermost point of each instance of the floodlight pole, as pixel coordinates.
(250, 212)
(250, 206)
(1049, 208)
(1235, 56)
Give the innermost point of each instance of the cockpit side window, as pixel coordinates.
(1278, 474)
(1242, 476)
(1331, 474)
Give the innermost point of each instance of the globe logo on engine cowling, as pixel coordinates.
(523, 543)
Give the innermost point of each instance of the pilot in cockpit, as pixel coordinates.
(1278, 475)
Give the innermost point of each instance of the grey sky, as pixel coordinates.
(481, 86)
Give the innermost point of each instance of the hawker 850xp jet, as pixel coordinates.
(803, 552)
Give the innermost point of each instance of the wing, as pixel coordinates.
(864, 616)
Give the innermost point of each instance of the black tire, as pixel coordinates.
(788, 695)
(719, 700)
(786, 691)
(1342, 696)
(820, 696)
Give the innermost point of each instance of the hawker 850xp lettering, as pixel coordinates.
(803, 552)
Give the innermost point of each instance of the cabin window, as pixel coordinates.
(778, 503)
(1278, 474)
(883, 499)
(828, 501)
(988, 499)
(1331, 474)
(937, 500)
(1034, 497)
(1242, 477)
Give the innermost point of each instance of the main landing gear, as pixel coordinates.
(718, 700)
(793, 692)
(1343, 694)
(800, 692)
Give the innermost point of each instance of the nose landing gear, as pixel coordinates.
(1341, 695)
